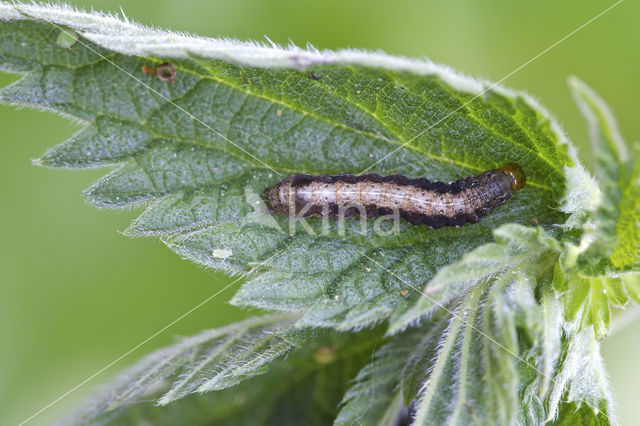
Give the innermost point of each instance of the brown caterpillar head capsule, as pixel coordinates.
(518, 179)
(272, 196)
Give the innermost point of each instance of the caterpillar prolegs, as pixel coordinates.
(419, 201)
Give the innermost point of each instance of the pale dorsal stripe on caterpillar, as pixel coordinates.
(419, 201)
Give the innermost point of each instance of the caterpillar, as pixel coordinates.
(419, 201)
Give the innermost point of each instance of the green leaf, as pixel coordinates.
(574, 375)
(468, 364)
(211, 360)
(587, 278)
(517, 250)
(626, 253)
(609, 149)
(306, 389)
(547, 341)
(393, 378)
(474, 376)
(572, 414)
(196, 153)
(497, 338)
(541, 328)
(586, 300)
(376, 397)
(196, 150)
(581, 379)
(631, 282)
(615, 224)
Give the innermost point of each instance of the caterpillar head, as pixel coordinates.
(518, 179)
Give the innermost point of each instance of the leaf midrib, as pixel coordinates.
(452, 334)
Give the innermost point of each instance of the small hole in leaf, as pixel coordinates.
(167, 72)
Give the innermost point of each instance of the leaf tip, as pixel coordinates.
(132, 231)
(164, 400)
(48, 160)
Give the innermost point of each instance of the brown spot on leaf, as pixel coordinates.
(149, 70)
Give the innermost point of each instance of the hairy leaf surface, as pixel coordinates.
(581, 379)
(517, 250)
(626, 253)
(588, 277)
(212, 360)
(378, 396)
(198, 152)
(474, 363)
(195, 151)
(304, 389)
(615, 168)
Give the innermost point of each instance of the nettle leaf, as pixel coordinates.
(306, 389)
(478, 372)
(378, 396)
(571, 415)
(586, 299)
(626, 253)
(614, 169)
(242, 116)
(517, 250)
(568, 380)
(196, 147)
(588, 277)
(581, 379)
(541, 326)
(212, 360)
(473, 364)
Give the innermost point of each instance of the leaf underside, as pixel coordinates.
(198, 152)
(599, 273)
(304, 389)
(473, 328)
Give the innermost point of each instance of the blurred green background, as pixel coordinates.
(75, 294)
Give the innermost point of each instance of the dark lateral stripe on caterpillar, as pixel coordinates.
(419, 201)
